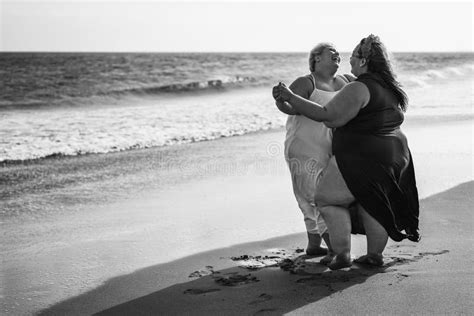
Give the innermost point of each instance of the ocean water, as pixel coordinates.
(78, 103)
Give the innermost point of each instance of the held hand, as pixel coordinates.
(284, 93)
(276, 93)
(281, 92)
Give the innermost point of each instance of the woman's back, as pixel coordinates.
(373, 156)
(375, 132)
(381, 115)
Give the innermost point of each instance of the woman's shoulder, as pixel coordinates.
(303, 85)
(369, 77)
(304, 81)
(357, 92)
(346, 78)
(357, 87)
(372, 81)
(342, 80)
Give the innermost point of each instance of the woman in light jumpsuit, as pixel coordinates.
(308, 143)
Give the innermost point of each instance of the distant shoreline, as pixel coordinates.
(212, 52)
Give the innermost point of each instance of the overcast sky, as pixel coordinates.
(223, 26)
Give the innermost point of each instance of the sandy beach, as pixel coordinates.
(142, 167)
(213, 228)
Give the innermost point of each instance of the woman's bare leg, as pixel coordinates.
(330, 254)
(377, 238)
(314, 245)
(338, 222)
(331, 195)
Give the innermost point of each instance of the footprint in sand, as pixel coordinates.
(402, 246)
(200, 273)
(406, 259)
(261, 298)
(399, 277)
(421, 255)
(333, 277)
(236, 279)
(442, 252)
(397, 261)
(256, 262)
(200, 291)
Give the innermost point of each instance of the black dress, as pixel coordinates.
(374, 159)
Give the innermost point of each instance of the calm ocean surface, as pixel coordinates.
(77, 103)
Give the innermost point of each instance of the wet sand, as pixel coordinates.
(126, 230)
(433, 277)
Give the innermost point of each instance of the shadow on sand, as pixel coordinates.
(275, 289)
(229, 287)
(236, 291)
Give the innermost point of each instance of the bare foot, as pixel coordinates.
(371, 260)
(340, 261)
(327, 258)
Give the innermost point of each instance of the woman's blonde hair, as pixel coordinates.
(316, 51)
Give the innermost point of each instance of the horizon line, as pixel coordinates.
(207, 52)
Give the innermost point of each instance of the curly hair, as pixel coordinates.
(378, 62)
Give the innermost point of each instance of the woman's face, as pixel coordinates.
(330, 58)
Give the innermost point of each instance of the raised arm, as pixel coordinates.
(340, 110)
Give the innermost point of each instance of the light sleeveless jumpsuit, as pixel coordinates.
(307, 151)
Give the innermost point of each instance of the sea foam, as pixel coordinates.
(38, 134)
(74, 104)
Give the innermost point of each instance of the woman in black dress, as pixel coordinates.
(372, 163)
